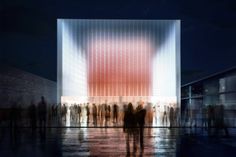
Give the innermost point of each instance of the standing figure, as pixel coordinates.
(140, 116)
(204, 117)
(94, 115)
(42, 112)
(219, 120)
(115, 113)
(32, 115)
(130, 127)
(106, 114)
(109, 111)
(211, 117)
(79, 112)
(88, 112)
(164, 118)
(171, 116)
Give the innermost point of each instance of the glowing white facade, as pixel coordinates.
(118, 60)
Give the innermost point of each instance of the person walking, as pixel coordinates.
(130, 128)
(140, 116)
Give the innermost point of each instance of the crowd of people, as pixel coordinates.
(42, 114)
(132, 117)
(210, 117)
(134, 121)
(91, 113)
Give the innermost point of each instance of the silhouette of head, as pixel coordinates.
(130, 107)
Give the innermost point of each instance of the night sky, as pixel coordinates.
(28, 30)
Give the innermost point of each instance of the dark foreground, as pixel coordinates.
(163, 142)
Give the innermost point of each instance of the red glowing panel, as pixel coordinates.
(120, 67)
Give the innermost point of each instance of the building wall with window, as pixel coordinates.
(215, 90)
(23, 87)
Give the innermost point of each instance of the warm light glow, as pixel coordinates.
(119, 61)
(118, 67)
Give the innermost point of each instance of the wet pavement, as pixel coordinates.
(67, 142)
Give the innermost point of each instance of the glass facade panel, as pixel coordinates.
(197, 90)
(230, 83)
(211, 87)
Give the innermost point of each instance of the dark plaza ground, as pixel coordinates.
(111, 141)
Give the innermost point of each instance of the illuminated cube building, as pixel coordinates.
(118, 61)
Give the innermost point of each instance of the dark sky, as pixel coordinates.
(28, 37)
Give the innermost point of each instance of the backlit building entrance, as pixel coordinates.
(119, 61)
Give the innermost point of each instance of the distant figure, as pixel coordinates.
(109, 111)
(71, 112)
(32, 115)
(149, 114)
(130, 127)
(123, 115)
(63, 111)
(79, 110)
(155, 113)
(115, 113)
(140, 116)
(42, 112)
(211, 117)
(219, 120)
(88, 112)
(204, 117)
(164, 118)
(14, 115)
(14, 121)
(171, 116)
(55, 111)
(94, 114)
(106, 114)
(99, 111)
(192, 117)
(177, 116)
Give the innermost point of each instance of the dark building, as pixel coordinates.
(23, 87)
(214, 90)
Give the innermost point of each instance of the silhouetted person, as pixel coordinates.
(164, 118)
(72, 112)
(155, 113)
(171, 116)
(125, 107)
(106, 114)
(54, 111)
(177, 116)
(88, 112)
(130, 127)
(103, 114)
(115, 113)
(99, 111)
(63, 112)
(149, 114)
(211, 117)
(204, 117)
(219, 120)
(94, 109)
(109, 111)
(192, 115)
(13, 115)
(32, 115)
(42, 112)
(140, 116)
(14, 121)
(79, 110)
